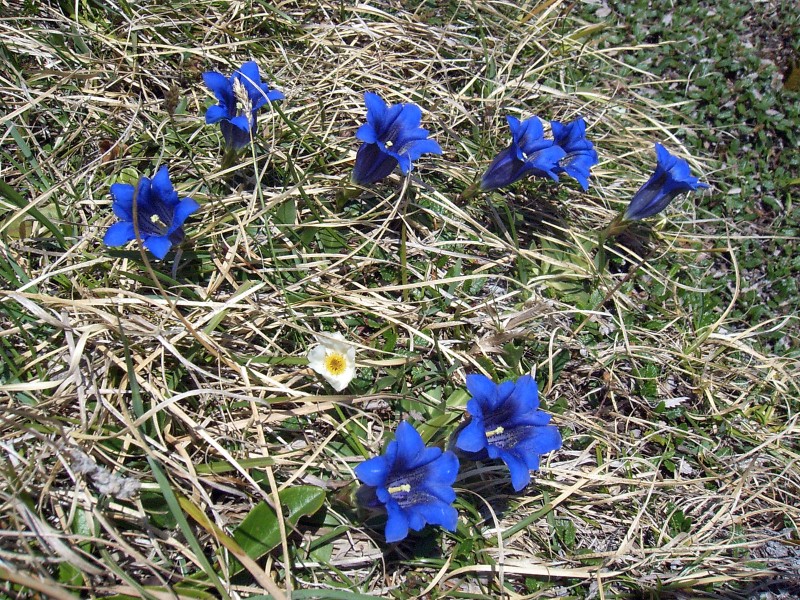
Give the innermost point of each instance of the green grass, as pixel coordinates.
(671, 374)
(739, 106)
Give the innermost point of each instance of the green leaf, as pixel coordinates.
(260, 532)
(436, 424)
(331, 240)
(69, 575)
(286, 212)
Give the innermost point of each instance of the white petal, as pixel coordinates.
(339, 382)
(316, 359)
(328, 339)
(334, 341)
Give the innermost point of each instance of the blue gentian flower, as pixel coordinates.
(392, 136)
(414, 484)
(239, 97)
(506, 423)
(529, 153)
(670, 178)
(159, 214)
(581, 155)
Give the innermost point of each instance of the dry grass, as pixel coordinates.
(678, 470)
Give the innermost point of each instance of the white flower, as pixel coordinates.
(334, 359)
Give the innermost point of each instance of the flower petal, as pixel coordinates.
(578, 166)
(413, 150)
(502, 391)
(520, 475)
(515, 126)
(407, 120)
(316, 358)
(530, 135)
(540, 440)
(221, 87)
(242, 122)
(505, 169)
(271, 94)
(524, 397)
(250, 76)
(372, 164)
(122, 196)
(403, 161)
(444, 492)
(235, 138)
(442, 472)
(185, 208)
(341, 381)
(481, 387)
(366, 133)
(376, 109)
(159, 245)
(216, 113)
(435, 513)
(664, 158)
(373, 471)
(544, 162)
(473, 437)
(396, 524)
(409, 446)
(119, 234)
(163, 189)
(144, 194)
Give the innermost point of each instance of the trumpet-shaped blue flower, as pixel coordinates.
(581, 155)
(392, 136)
(529, 153)
(159, 214)
(670, 178)
(414, 484)
(239, 97)
(506, 423)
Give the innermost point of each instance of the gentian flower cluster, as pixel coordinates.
(670, 178)
(391, 137)
(531, 153)
(159, 214)
(507, 424)
(240, 97)
(412, 483)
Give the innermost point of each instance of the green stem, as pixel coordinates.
(229, 158)
(346, 192)
(471, 191)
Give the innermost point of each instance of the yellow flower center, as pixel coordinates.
(388, 143)
(335, 363)
(399, 488)
(494, 432)
(156, 220)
